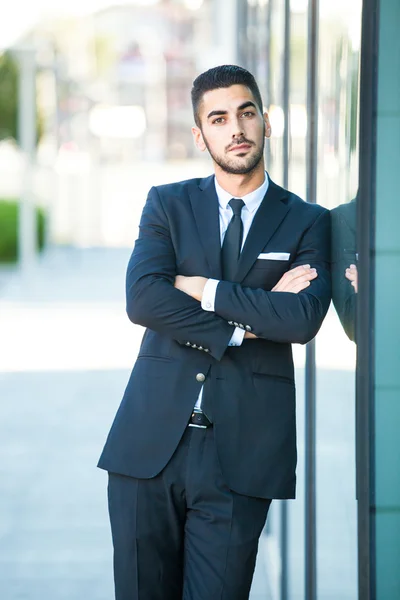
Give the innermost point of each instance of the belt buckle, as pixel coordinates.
(197, 412)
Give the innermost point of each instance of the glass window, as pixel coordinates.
(337, 184)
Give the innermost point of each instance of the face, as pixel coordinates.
(233, 129)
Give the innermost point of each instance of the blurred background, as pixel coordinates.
(94, 110)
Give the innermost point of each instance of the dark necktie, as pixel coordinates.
(230, 255)
(232, 241)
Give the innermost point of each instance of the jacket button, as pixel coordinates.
(248, 328)
(200, 377)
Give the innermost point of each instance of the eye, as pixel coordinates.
(248, 113)
(218, 121)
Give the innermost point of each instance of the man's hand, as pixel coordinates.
(293, 281)
(351, 274)
(192, 286)
(250, 336)
(296, 279)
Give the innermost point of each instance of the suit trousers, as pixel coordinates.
(184, 534)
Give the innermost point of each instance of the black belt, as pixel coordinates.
(199, 419)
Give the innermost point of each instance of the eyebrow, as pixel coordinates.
(213, 113)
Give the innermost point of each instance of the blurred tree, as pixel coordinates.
(8, 96)
(9, 99)
(9, 210)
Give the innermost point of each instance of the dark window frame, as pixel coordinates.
(365, 326)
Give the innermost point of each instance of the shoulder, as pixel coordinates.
(178, 188)
(345, 213)
(304, 207)
(298, 206)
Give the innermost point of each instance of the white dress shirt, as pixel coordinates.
(252, 202)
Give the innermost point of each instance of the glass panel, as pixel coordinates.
(339, 46)
(265, 60)
(338, 80)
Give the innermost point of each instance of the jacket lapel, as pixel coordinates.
(267, 219)
(204, 201)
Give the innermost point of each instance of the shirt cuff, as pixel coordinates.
(208, 298)
(237, 337)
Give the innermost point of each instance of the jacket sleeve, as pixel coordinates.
(284, 316)
(152, 300)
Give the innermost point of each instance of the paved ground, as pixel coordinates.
(65, 356)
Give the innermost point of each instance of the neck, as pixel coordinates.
(241, 185)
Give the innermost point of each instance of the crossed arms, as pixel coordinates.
(292, 312)
(293, 281)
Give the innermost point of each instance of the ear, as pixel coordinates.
(198, 138)
(268, 130)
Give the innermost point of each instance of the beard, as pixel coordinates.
(236, 165)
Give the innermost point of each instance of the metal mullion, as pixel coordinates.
(365, 438)
(310, 371)
(285, 170)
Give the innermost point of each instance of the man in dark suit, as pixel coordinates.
(227, 272)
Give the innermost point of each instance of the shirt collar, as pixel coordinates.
(252, 201)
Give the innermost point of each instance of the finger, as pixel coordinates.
(295, 289)
(299, 288)
(299, 280)
(250, 336)
(295, 272)
(292, 275)
(298, 270)
(301, 272)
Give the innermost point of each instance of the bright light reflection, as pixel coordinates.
(89, 337)
(193, 4)
(277, 119)
(121, 122)
(20, 16)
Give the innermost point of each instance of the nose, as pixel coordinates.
(237, 128)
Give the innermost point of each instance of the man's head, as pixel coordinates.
(229, 118)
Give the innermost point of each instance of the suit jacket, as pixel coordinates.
(251, 386)
(343, 254)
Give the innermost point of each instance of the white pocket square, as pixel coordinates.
(274, 256)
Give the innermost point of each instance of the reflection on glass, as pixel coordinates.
(337, 184)
(339, 45)
(344, 265)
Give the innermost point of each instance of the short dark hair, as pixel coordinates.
(222, 77)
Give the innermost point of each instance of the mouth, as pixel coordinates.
(240, 148)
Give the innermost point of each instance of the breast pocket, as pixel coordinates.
(266, 273)
(265, 263)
